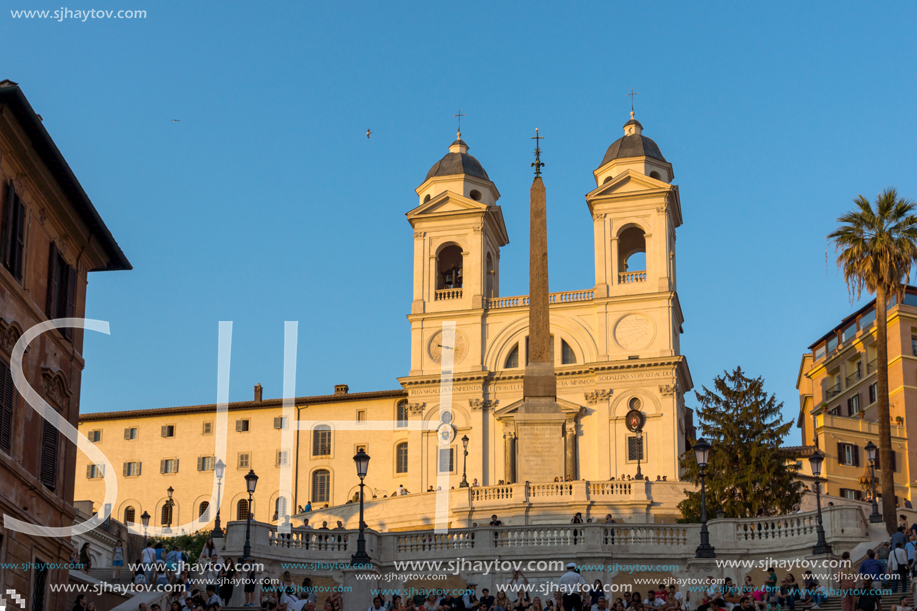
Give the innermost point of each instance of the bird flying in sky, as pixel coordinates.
(368, 132)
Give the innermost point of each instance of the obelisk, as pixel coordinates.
(539, 385)
(539, 421)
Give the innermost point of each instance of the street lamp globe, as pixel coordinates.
(170, 491)
(220, 468)
(871, 451)
(361, 460)
(145, 519)
(702, 452)
(251, 480)
(465, 442)
(815, 462)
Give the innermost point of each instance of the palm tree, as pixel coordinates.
(876, 246)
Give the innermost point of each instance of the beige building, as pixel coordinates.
(838, 396)
(615, 346)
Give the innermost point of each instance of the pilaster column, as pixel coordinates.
(570, 449)
(509, 457)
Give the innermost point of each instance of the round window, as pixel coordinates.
(635, 403)
(476, 195)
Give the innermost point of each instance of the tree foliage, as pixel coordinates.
(190, 544)
(747, 473)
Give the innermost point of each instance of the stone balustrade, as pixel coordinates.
(523, 300)
(447, 294)
(631, 277)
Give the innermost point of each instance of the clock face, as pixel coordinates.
(438, 347)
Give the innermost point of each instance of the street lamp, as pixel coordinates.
(464, 483)
(361, 557)
(875, 517)
(251, 480)
(220, 469)
(821, 547)
(145, 519)
(169, 503)
(639, 475)
(702, 454)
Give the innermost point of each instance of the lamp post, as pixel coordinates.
(821, 547)
(639, 475)
(169, 503)
(220, 469)
(875, 517)
(702, 454)
(251, 480)
(464, 483)
(145, 519)
(361, 557)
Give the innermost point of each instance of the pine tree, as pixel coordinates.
(747, 473)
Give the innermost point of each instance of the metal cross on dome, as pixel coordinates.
(459, 115)
(631, 96)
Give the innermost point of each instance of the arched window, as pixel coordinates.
(280, 507)
(656, 175)
(401, 457)
(402, 416)
(242, 509)
(567, 356)
(321, 486)
(449, 268)
(321, 440)
(130, 515)
(427, 198)
(512, 361)
(202, 513)
(632, 254)
(166, 514)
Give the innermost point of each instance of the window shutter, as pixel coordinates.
(53, 277)
(49, 456)
(70, 303)
(89, 471)
(176, 466)
(127, 433)
(840, 453)
(6, 408)
(19, 243)
(162, 466)
(138, 468)
(8, 226)
(878, 461)
(124, 470)
(200, 463)
(164, 430)
(856, 456)
(278, 423)
(238, 426)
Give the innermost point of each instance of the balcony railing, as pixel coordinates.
(853, 378)
(833, 391)
(524, 300)
(871, 366)
(631, 277)
(447, 294)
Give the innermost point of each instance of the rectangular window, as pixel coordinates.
(634, 449)
(244, 461)
(321, 486)
(914, 346)
(130, 433)
(7, 403)
(848, 454)
(131, 469)
(361, 415)
(13, 233)
(873, 392)
(207, 428)
(205, 463)
(401, 457)
(853, 405)
(321, 441)
(168, 430)
(95, 471)
(49, 444)
(853, 495)
(242, 426)
(283, 458)
(168, 466)
(280, 422)
(61, 296)
(894, 462)
(820, 352)
(867, 319)
(95, 436)
(832, 343)
(849, 332)
(446, 460)
(40, 573)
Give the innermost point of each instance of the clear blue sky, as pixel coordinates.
(267, 203)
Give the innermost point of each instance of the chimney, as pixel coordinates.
(341, 389)
(258, 390)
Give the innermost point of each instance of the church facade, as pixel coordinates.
(615, 348)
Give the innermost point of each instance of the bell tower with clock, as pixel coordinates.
(458, 233)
